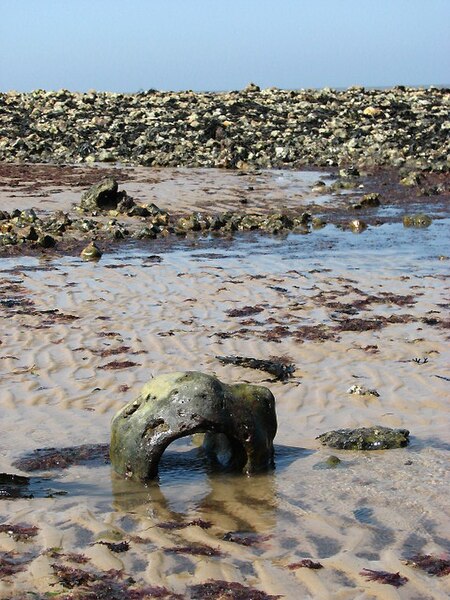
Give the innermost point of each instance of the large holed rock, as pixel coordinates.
(238, 420)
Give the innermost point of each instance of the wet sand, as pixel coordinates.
(164, 307)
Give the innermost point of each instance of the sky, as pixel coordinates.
(206, 45)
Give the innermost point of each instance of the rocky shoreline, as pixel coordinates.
(403, 128)
(109, 215)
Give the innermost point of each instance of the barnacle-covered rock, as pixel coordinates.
(238, 420)
(366, 438)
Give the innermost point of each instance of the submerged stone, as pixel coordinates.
(365, 438)
(332, 462)
(91, 252)
(239, 421)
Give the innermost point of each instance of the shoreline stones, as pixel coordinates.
(238, 420)
(365, 438)
(402, 127)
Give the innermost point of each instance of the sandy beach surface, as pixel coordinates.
(78, 340)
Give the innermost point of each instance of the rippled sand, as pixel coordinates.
(166, 309)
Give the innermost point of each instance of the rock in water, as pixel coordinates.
(91, 252)
(101, 196)
(239, 421)
(366, 438)
(419, 220)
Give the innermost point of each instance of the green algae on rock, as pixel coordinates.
(238, 420)
(365, 438)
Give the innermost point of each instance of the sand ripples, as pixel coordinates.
(143, 319)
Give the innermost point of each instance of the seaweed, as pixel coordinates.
(274, 334)
(314, 333)
(227, 590)
(20, 533)
(119, 364)
(305, 563)
(360, 325)
(61, 458)
(112, 351)
(55, 316)
(71, 577)
(195, 549)
(116, 547)
(280, 367)
(252, 539)
(245, 311)
(75, 557)
(433, 565)
(109, 334)
(111, 589)
(385, 577)
(12, 563)
(176, 525)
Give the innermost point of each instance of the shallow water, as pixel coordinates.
(373, 510)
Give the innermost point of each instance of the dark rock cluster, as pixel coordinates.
(400, 127)
(106, 213)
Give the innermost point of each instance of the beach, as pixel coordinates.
(292, 280)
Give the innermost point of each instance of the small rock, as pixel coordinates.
(412, 179)
(318, 223)
(252, 87)
(91, 252)
(419, 220)
(365, 438)
(357, 226)
(333, 461)
(370, 200)
(362, 391)
(46, 241)
(372, 111)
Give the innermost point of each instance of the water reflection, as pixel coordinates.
(188, 484)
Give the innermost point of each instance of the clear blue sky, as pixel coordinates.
(128, 45)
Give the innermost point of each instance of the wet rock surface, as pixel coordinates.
(238, 420)
(366, 438)
(265, 128)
